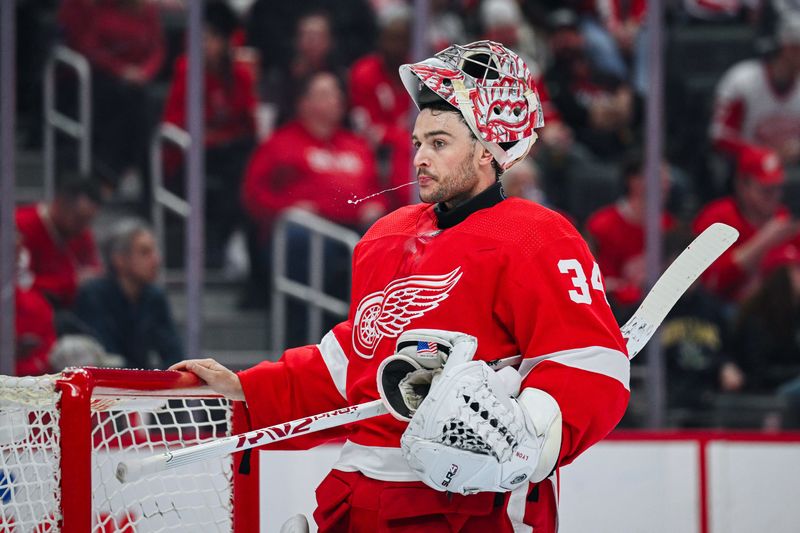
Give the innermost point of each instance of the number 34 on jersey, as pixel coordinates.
(582, 294)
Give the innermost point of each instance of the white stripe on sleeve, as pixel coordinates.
(597, 359)
(336, 361)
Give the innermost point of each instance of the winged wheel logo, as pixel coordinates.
(386, 313)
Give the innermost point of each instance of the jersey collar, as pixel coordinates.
(447, 218)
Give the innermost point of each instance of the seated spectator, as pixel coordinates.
(446, 25)
(380, 106)
(272, 25)
(125, 310)
(60, 241)
(34, 331)
(503, 21)
(765, 337)
(616, 233)
(523, 181)
(315, 163)
(694, 337)
(756, 211)
(314, 49)
(230, 103)
(758, 100)
(615, 39)
(124, 43)
(599, 108)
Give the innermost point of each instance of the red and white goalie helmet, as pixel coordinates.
(492, 88)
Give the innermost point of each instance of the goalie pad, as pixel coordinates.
(405, 378)
(470, 435)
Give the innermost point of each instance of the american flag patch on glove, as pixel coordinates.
(425, 348)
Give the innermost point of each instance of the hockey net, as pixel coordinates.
(61, 437)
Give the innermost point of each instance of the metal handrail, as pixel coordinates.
(313, 293)
(161, 197)
(80, 129)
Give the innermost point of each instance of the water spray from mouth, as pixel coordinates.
(359, 200)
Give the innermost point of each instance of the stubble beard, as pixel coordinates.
(453, 188)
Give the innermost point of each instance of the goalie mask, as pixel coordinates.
(492, 88)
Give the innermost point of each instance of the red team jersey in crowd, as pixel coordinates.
(114, 37)
(618, 242)
(55, 264)
(748, 110)
(515, 275)
(378, 95)
(293, 166)
(724, 277)
(229, 104)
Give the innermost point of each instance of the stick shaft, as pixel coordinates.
(684, 271)
(134, 469)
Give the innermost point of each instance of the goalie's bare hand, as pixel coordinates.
(218, 377)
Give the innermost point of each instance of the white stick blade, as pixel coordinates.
(680, 275)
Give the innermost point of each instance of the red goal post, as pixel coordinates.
(61, 437)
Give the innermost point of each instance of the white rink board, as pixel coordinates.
(643, 485)
(635, 487)
(632, 487)
(287, 483)
(753, 487)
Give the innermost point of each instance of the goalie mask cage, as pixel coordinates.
(61, 437)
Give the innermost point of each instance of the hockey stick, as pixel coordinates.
(692, 262)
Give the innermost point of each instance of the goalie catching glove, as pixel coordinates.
(405, 377)
(469, 434)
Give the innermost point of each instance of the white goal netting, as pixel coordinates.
(124, 423)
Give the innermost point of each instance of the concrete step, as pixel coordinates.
(225, 326)
(29, 169)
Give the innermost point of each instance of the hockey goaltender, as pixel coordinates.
(466, 276)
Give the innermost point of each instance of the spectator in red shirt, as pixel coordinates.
(230, 105)
(315, 163)
(617, 235)
(765, 341)
(34, 330)
(59, 239)
(755, 209)
(124, 43)
(379, 102)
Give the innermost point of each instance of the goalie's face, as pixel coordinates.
(451, 165)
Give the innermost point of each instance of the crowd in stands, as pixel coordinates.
(304, 108)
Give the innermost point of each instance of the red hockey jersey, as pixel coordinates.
(725, 277)
(619, 245)
(515, 275)
(56, 265)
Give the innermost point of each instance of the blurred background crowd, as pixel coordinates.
(304, 109)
